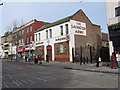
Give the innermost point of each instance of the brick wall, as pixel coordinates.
(61, 56)
(93, 36)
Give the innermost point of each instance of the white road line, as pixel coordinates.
(9, 76)
(31, 81)
(16, 83)
(19, 82)
(24, 81)
(42, 79)
(5, 85)
(35, 77)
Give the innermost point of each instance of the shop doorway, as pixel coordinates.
(49, 52)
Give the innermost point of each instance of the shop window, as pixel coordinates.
(61, 27)
(61, 48)
(57, 50)
(65, 50)
(41, 51)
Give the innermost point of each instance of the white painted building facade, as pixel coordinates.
(74, 27)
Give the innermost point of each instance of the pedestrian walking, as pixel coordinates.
(118, 59)
(113, 61)
(47, 58)
(39, 59)
(25, 58)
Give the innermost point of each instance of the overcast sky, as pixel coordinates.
(49, 12)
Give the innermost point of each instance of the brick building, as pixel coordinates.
(105, 40)
(74, 38)
(23, 38)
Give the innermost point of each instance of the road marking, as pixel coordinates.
(42, 79)
(5, 85)
(35, 77)
(23, 81)
(19, 83)
(31, 81)
(16, 83)
(9, 76)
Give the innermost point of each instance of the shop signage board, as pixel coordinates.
(78, 28)
(62, 39)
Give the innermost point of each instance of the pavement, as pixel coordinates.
(77, 66)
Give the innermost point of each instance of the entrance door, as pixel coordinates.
(49, 52)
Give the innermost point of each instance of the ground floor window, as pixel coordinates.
(61, 48)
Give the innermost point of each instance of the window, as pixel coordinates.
(57, 50)
(19, 42)
(22, 41)
(27, 39)
(36, 37)
(66, 28)
(46, 34)
(30, 39)
(19, 33)
(39, 36)
(61, 48)
(27, 30)
(50, 33)
(22, 32)
(61, 27)
(117, 11)
(65, 50)
(31, 28)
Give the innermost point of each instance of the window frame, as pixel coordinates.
(50, 33)
(46, 34)
(36, 37)
(30, 38)
(31, 28)
(61, 30)
(39, 36)
(117, 11)
(67, 29)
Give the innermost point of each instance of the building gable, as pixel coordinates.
(81, 16)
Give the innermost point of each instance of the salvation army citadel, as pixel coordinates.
(74, 38)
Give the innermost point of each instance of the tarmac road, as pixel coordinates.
(20, 75)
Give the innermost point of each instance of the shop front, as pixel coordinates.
(30, 51)
(21, 52)
(40, 51)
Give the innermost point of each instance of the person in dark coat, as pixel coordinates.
(113, 61)
(25, 58)
(35, 60)
(47, 58)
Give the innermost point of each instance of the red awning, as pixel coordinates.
(21, 48)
